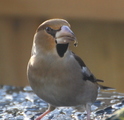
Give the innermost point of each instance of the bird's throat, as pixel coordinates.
(61, 49)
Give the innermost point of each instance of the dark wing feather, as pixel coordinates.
(86, 73)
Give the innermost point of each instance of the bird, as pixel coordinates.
(55, 73)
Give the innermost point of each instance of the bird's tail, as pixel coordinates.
(106, 87)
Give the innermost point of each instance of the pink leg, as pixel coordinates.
(41, 116)
(51, 108)
(88, 109)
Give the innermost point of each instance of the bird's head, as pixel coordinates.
(53, 34)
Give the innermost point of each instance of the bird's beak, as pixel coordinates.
(65, 35)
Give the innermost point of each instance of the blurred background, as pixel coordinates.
(98, 26)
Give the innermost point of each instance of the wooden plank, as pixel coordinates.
(86, 9)
(16, 38)
(7, 71)
(24, 40)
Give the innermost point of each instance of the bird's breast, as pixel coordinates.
(53, 80)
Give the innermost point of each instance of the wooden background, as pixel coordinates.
(98, 25)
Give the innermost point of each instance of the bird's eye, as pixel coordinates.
(48, 29)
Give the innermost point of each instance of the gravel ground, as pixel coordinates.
(17, 103)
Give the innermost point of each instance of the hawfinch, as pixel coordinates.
(55, 73)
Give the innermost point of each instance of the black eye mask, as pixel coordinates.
(51, 31)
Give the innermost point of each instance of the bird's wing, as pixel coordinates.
(87, 74)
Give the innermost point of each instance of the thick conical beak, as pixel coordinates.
(65, 35)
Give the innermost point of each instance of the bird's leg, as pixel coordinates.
(88, 109)
(42, 115)
(51, 108)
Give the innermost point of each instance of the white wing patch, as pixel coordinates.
(86, 71)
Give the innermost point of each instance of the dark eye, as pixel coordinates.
(49, 30)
